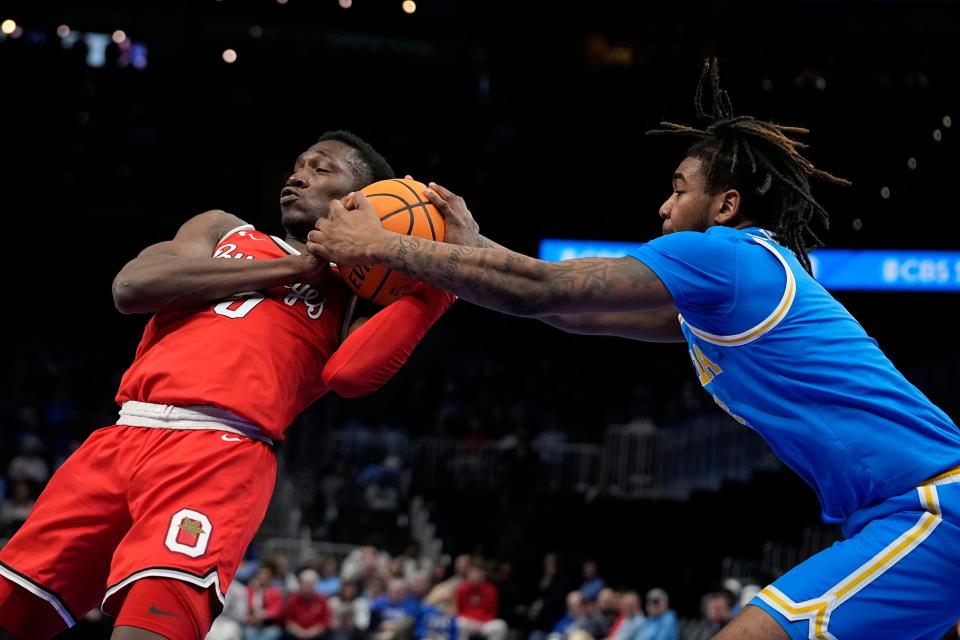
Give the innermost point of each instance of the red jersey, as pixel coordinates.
(476, 600)
(258, 355)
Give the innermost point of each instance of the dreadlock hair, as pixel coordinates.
(761, 161)
(368, 165)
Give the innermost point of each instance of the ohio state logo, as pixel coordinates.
(188, 533)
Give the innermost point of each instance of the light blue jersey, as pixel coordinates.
(783, 357)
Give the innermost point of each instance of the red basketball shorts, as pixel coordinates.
(137, 502)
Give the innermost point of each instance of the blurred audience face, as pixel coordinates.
(396, 591)
(589, 570)
(328, 567)
(574, 604)
(657, 603)
(476, 573)
(395, 568)
(717, 609)
(420, 586)
(629, 604)
(349, 591)
(461, 565)
(439, 573)
(262, 577)
(308, 581)
(550, 564)
(607, 600)
(375, 587)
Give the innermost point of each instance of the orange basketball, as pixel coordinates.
(402, 208)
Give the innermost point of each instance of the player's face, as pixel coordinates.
(322, 173)
(688, 207)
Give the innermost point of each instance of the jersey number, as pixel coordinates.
(240, 305)
(707, 369)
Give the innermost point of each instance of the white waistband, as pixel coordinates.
(165, 416)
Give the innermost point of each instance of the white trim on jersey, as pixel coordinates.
(768, 323)
(283, 244)
(40, 592)
(242, 227)
(205, 582)
(165, 416)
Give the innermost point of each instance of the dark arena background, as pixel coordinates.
(530, 450)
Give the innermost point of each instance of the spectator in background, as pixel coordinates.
(16, 507)
(552, 591)
(329, 583)
(461, 564)
(265, 600)
(604, 613)
(236, 610)
(392, 616)
(29, 464)
(364, 563)
(717, 610)
(349, 603)
(661, 621)
(576, 616)
(306, 614)
(283, 577)
(344, 625)
(478, 606)
(420, 588)
(374, 588)
(438, 616)
(592, 582)
(631, 619)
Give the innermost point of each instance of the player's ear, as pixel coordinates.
(729, 207)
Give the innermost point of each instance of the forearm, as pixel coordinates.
(372, 354)
(164, 282)
(659, 325)
(516, 284)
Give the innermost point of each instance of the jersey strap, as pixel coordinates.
(165, 416)
(771, 321)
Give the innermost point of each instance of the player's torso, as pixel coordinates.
(807, 377)
(257, 354)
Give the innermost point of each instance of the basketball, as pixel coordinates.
(402, 208)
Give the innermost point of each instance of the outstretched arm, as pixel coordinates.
(496, 278)
(378, 346)
(182, 272)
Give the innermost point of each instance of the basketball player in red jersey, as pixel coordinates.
(151, 517)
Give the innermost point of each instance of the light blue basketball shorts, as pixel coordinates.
(896, 576)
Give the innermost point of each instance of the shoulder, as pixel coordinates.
(214, 225)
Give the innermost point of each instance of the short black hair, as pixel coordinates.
(760, 160)
(369, 166)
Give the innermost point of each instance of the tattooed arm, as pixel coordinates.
(494, 278)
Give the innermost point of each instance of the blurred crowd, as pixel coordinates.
(371, 595)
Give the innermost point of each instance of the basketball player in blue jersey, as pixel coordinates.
(772, 347)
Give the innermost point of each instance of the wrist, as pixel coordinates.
(377, 249)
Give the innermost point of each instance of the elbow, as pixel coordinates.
(128, 296)
(349, 386)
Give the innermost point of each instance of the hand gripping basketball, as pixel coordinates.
(349, 234)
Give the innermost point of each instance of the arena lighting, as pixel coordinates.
(63, 31)
(937, 135)
(281, 1)
(947, 122)
(229, 56)
(409, 6)
(835, 269)
(885, 192)
(119, 36)
(346, 4)
(8, 27)
(911, 163)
